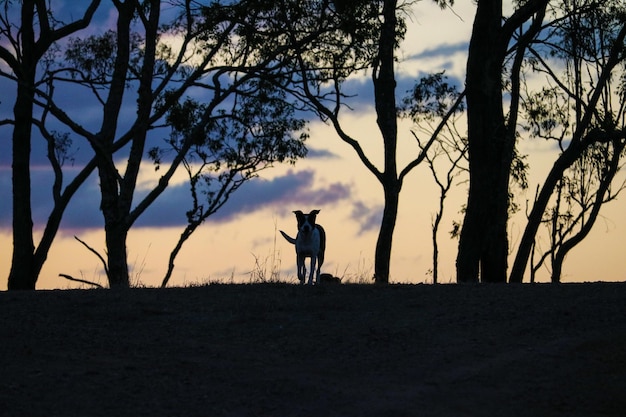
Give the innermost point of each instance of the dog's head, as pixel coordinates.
(306, 222)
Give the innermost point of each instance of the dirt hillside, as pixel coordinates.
(335, 350)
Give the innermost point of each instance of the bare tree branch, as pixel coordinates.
(95, 252)
(83, 281)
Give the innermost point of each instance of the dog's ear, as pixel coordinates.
(298, 212)
(314, 212)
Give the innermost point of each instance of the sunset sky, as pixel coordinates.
(242, 239)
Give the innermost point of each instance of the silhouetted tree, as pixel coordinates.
(584, 113)
(23, 47)
(483, 243)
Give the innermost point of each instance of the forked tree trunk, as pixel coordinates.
(483, 244)
(113, 204)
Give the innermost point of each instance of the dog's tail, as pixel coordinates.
(289, 238)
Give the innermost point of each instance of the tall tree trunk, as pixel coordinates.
(117, 255)
(483, 245)
(114, 207)
(382, 256)
(115, 220)
(22, 275)
(384, 92)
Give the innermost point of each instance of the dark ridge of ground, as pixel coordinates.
(336, 350)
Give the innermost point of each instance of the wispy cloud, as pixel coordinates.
(314, 153)
(367, 217)
(441, 51)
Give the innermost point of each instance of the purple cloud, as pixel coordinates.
(291, 192)
(368, 218)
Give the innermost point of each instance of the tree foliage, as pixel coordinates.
(432, 97)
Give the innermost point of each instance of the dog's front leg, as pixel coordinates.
(312, 271)
(301, 269)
